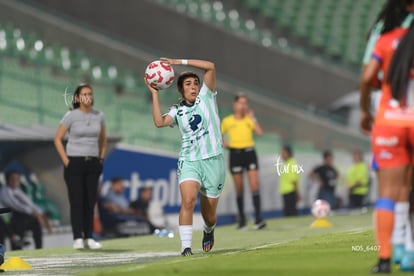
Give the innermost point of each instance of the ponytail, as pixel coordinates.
(401, 64)
(392, 14)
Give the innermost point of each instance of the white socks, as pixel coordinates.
(186, 235)
(400, 223)
(409, 243)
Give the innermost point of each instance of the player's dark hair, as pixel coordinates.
(183, 76)
(326, 154)
(116, 179)
(392, 14)
(358, 152)
(239, 96)
(401, 64)
(288, 149)
(9, 174)
(75, 103)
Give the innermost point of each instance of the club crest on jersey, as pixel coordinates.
(195, 121)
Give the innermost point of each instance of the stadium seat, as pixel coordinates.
(328, 25)
(47, 80)
(253, 4)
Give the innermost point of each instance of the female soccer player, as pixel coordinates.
(392, 132)
(201, 166)
(393, 14)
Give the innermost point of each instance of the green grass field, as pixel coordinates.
(286, 247)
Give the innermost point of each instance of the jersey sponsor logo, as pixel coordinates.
(194, 122)
(385, 155)
(386, 141)
(198, 137)
(181, 112)
(406, 114)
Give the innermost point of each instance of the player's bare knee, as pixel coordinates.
(210, 219)
(188, 203)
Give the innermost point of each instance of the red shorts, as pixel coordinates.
(392, 146)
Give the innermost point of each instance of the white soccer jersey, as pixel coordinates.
(199, 125)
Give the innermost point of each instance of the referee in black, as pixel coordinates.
(83, 158)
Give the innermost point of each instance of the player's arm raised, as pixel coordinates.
(208, 67)
(159, 119)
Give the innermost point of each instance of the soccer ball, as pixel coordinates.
(159, 75)
(320, 208)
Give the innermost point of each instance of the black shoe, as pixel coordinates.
(242, 224)
(19, 244)
(15, 245)
(208, 241)
(383, 266)
(1, 254)
(260, 225)
(187, 252)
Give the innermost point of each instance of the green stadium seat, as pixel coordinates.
(126, 109)
(16, 115)
(52, 56)
(253, 4)
(321, 22)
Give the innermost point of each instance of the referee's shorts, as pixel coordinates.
(243, 159)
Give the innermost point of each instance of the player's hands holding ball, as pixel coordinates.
(171, 61)
(150, 88)
(159, 74)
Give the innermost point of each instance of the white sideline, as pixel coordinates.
(59, 266)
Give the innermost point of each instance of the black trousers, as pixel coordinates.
(356, 201)
(4, 231)
(289, 204)
(21, 222)
(82, 177)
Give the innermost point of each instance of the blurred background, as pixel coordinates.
(298, 61)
